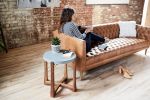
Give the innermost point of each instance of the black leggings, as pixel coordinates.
(91, 37)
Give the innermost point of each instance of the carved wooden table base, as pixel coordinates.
(62, 83)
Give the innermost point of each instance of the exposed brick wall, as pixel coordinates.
(18, 24)
(29, 26)
(113, 13)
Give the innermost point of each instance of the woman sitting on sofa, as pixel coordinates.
(68, 26)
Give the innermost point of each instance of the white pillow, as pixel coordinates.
(127, 28)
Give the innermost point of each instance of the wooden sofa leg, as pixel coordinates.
(146, 51)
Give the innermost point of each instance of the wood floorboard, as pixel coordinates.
(21, 78)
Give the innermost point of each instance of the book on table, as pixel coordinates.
(69, 54)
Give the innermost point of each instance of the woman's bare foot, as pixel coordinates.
(106, 39)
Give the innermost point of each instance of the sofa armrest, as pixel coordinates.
(143, 32)
(74, 44)
(110, 30)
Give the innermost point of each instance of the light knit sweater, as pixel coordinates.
(71, 29)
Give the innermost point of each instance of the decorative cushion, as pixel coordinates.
(127, 28)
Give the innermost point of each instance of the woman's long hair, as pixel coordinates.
(66, 16)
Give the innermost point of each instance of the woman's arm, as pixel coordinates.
(72, 30)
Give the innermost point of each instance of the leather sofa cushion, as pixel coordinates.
(116, 47)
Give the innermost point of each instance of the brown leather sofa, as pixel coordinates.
(117, 47)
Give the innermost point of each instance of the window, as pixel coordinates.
(37, 3)
(107, 1)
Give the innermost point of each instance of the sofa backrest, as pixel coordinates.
(143, 32)
(73, 44)
(110, 30)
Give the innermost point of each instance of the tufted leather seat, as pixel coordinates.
(117, 47)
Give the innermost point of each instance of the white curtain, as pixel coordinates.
(27, 4)
(20, 3)
(36, 3)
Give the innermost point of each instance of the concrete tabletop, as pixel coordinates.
(58, 58)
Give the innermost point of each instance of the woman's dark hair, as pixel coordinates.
(66, 16)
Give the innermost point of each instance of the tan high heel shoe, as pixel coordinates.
(120, 70)
(124, 72)
(128, 71)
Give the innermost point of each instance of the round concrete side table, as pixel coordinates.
(58, 58)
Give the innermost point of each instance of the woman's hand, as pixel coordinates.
(89, 29)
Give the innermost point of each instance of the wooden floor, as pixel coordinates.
(21, 78)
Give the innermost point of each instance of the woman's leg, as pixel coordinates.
(92, 37)
(95, 37)
(88, 43)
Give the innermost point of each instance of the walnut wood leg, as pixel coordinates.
(146, 51)
(74, 78)
(59, 84)
(62, 82)
(45, 72)
(52, 80)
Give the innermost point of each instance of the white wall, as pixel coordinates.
(146, 13)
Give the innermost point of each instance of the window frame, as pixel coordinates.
(107, 1)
